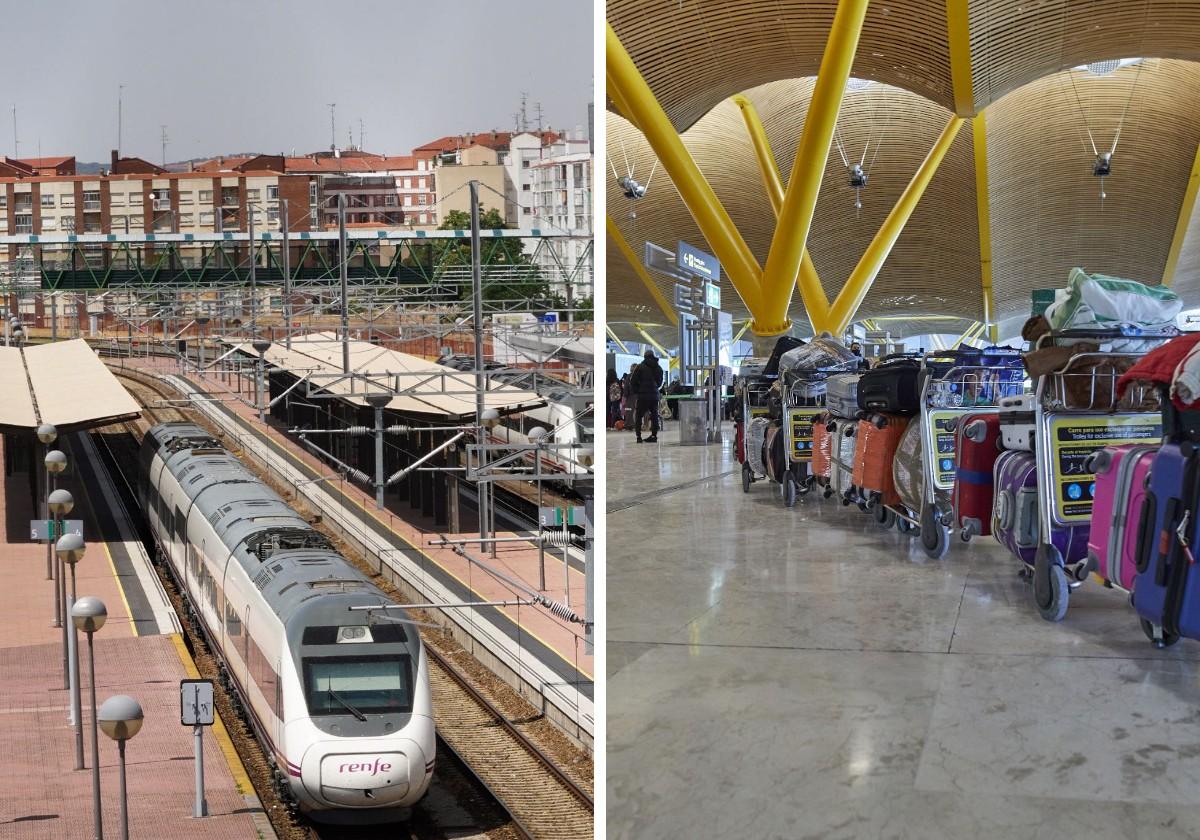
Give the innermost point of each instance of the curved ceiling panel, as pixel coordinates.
(697, 53)
(1047, 214)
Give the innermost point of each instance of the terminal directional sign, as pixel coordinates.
(40, 529)
(552, 516)
(691, 259)
(196, 703)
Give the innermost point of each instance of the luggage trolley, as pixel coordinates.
(756, 404)
(1076, 413)
(957, 396)
(803, 402)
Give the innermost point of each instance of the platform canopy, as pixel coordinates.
(64, 384)
(432, 389)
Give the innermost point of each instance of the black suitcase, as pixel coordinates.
(891, 388)
(784, 344)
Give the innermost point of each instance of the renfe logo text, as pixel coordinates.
(376, 767)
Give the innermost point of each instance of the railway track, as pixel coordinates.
(480, 745)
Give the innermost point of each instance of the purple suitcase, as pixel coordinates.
(1166, 591)
(1015, 517)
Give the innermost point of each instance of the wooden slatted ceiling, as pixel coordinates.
(697, 53)
(1014, 42)
(934, 268)
(1046, 212)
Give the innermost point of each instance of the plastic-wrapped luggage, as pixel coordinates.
(1017, 422)
(756, 440)
(878, 437)
(891, 388)
(907, 472)
(1015, 523)
(822, 444)
(977, 444)
(1121, 476)
(823, 353)
(1166, 589)
(1097, 301)
(841, 394)
(783, 345)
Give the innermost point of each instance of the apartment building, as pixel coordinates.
(561, 185)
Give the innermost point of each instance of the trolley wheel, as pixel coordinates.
(964, 535)
(884, 518)
(1051, 591)
(747, 478)
(904, 526)
(863, 506)
(935, 538)
(828, 491)
(1161, 639)
(789, 491)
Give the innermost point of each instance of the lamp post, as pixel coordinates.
(260, 347)
(202, 322)
(89, 615)
(47, 434)
(121, 718)
(61, 503)
(70, 550)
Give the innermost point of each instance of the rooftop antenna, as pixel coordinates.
(163, 139)
(16, 143)
(120, 97)
(524, 112)
(539, 116)
(332, 127)
(360, 135)
(350, 136)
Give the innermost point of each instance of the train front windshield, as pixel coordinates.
(358, 685)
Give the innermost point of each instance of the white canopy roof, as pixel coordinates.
(430, 388)
(63, 383)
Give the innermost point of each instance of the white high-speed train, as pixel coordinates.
(567, 418)
(341, 700)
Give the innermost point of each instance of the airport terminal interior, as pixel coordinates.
(915, 287)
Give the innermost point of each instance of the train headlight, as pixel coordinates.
(353, 634)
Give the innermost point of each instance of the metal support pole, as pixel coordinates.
(482, 488)
(566, 541)
(379, 483)
(201, 809)
(589, 574)
(287, 276)
(64, 615)
(124, 798)
(54, 316)
(537, 454)
(97, 815)
(253, 278)
(344, 275)
(73, 656)
(259, 364)
(46, 515)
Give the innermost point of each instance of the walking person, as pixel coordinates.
(644, 384)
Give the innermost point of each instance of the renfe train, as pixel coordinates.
(340, 700)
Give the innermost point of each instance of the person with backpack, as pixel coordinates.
(644, 385)
(613, 387)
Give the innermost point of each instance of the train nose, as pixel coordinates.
(368, 780)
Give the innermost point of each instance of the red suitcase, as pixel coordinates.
(977, 445)
(740, 435)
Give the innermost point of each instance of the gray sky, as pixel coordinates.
(257, 75)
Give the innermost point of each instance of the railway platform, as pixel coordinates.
(541, 655)
(138, 652)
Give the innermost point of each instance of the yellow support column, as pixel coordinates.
(864, 274)
(971, 334)
(808, 280)
(615, 339)
(640, 270)
(958, 34)
(1185, 218)
(782, 270)
(983, 208)
(633, 96)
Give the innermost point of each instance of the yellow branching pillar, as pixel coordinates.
(640, 270)
(812, 294)
(841, 314)
(782, 270)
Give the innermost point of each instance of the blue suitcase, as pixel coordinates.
(1166, 592)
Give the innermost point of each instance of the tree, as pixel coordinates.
(508, 273)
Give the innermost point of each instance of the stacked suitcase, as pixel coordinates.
(841, 402)
(888, 395)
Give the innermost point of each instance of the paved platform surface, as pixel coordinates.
(41, 795)
(557, 643)
(800, 673)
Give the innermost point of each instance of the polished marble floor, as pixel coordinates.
(800, 673)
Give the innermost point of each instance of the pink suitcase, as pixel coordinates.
(1122, 473)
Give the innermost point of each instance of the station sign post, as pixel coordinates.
(196, 710)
